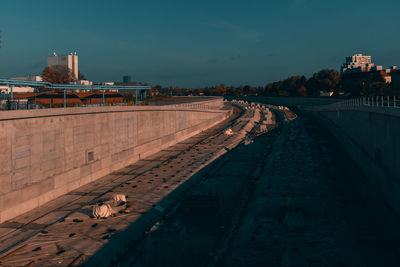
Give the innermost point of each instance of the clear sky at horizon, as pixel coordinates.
(197, 43)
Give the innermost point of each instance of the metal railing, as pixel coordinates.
(184, 106)
(376, 102)
(65, 87)
(19, 106)
(195, 106)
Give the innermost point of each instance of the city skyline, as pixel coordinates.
(197, 44)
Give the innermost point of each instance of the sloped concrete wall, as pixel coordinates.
(47, 153)
(371, 136)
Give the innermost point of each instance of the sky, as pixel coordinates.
(197, 43)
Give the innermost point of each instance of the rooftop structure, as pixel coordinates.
(378, 68)
(34, 78)
(5, 89)
(357, 63)
(391, 69)
(385, 76)
(70, 61)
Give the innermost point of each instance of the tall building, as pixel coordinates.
(70, 61)
(357, 63)
(126, 79)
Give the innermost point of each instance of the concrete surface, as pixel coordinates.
(313, 206)
(292, 198)
(370, 136)
(61, 232)
(48, 153)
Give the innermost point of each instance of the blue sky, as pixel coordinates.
(197, 43)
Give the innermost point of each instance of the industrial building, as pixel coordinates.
(69, 61)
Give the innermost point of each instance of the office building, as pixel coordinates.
(357, 63)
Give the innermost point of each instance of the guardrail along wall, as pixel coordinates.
(47, 153)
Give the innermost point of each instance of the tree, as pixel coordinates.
(221, 89)
(58, 75)
(239, 91)
(292, 84)
(365, 84)
(327, 79)
(81, 76)
(302, 91)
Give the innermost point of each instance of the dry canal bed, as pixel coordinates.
(61, 233)
(290, 198)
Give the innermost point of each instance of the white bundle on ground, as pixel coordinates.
(119, 198)
(268, 117)
(102, 211)
(229, 131)
(263, 128)
(110, 207)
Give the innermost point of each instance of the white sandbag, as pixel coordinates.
(229, 131)
(119, 198)
(263, 128)
(102, 211)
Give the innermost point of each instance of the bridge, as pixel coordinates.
(263, 181)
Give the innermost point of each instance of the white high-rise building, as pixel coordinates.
(70, 61)
(357, 63)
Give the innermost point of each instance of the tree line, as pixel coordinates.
(353, 84)
(60, 75)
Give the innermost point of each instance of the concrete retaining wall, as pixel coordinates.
(371, 137)
(47, 153)
(369, 134)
